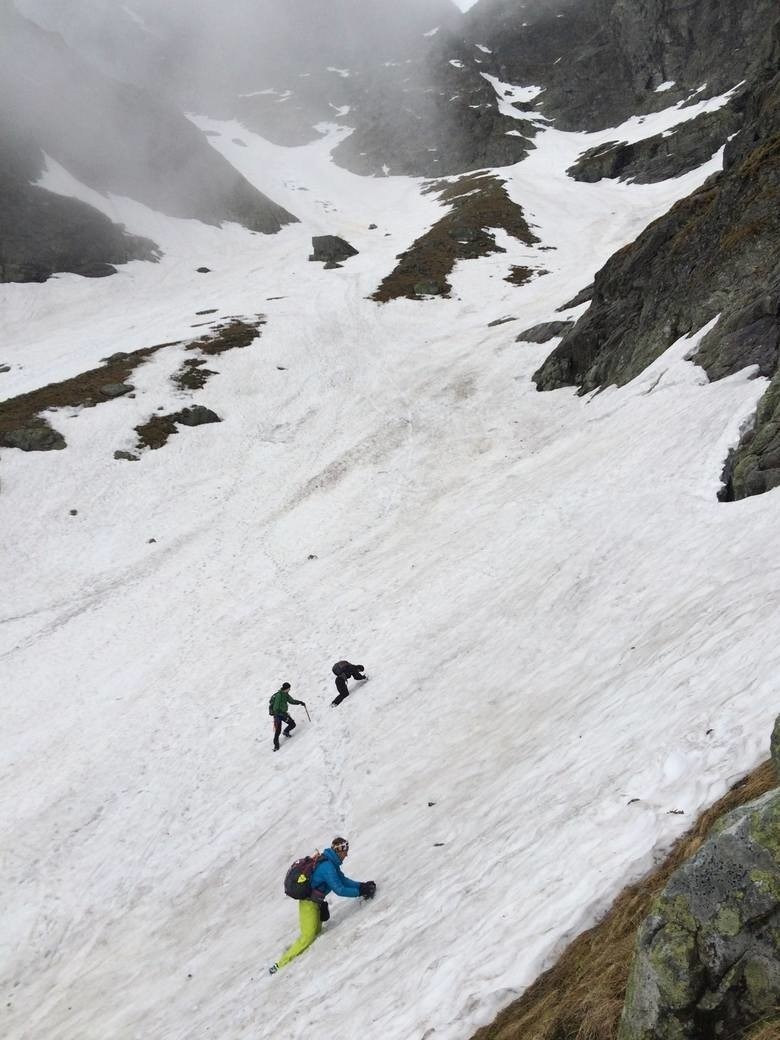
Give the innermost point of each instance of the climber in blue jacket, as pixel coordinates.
(326, 877)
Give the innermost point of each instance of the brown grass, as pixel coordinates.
(84, 390)
(581, 996)
(154, 433)
(519, 275)
(235, 335)
(740, 234)
(193, 375)
(479, 202)
(767, 1030)
(767, 152)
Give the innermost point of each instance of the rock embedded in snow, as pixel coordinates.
(583, 296)
(543, 332)
(331, 249)
(37, 435)
(197, 415)
(116, 389)
(664, 155)
(427, 287)
(128, 456)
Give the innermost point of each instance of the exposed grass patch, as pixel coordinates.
(519, 275)
(581, 996)
(27, 412)
(235, 335)
(739, 234)
(81, 391)
(479, 203)
(154, 433)
(768, 152)
(767, 1030)
(193, 375)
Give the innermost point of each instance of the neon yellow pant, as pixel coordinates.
(309, 915)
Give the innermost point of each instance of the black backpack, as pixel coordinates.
(271, 705)
(297, 880)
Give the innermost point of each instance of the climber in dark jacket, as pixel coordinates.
(278, 708)
(343, 670)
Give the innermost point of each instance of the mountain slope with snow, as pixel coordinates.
(557, 616)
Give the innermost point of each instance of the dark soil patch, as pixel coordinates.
(479, 202)
(82, 391)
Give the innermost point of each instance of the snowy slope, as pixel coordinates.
(556, 615)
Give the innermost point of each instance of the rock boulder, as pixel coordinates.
(707, 960)
(331, 249)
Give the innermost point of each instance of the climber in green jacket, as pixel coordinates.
(277, 707)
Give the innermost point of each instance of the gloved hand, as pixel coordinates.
(324, 912)
(367, 889)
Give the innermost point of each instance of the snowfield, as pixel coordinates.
(556, 615)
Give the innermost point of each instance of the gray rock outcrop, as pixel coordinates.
(197, 415)
(44, 233)
(36, 435)
(331, 249)
(707, 960)
(119, 138)
(716, 252)
(664, 155)
(543, 332)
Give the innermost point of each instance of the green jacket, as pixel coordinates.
(280, 701)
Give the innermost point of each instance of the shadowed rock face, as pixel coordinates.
(664, 155)
(117, 138)
(598, 62)
(615, 53)
(716, 252)
(44, 233)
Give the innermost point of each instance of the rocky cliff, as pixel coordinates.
(707, 961)
(43, 233)
(113, 137)
(715, 253)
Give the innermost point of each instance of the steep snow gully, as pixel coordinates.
(557, 616)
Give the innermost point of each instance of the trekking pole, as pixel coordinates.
(308, 716)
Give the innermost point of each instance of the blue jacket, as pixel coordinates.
(328, 877)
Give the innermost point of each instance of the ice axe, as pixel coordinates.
(308, 716)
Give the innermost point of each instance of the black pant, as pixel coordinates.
(278, 721)
(341, 686)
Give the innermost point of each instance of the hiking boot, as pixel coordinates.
(276, 747)
(287, 734)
